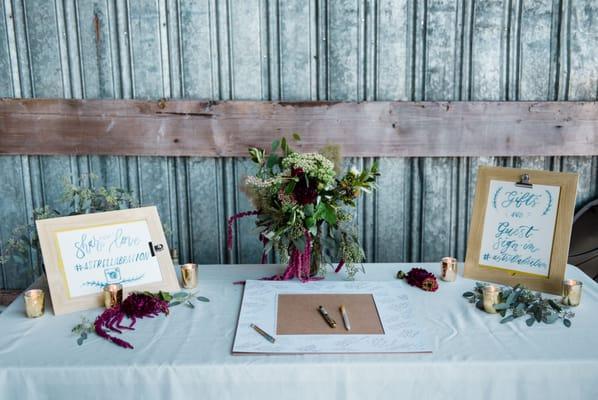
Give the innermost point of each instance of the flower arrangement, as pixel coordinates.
(302, 204)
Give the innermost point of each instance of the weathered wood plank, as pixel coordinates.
(178, 128)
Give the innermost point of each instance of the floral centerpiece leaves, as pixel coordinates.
(303, 208)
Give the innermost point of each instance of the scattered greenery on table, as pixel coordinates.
(518, 301)
(87, 327)
(83, 329)
(22, 247)
(185, 298)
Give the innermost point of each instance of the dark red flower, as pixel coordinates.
(421, 278)
(305, 191)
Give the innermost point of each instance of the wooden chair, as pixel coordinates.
(583, 251)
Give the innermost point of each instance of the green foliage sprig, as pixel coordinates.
(83, 329)
(186, 298)
(518, 301)
(23, 245)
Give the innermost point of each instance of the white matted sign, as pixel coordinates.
(84, 253)
(521, 227)
(518, 225)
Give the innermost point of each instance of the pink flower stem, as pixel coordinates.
(231, 220)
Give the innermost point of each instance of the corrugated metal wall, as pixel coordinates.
(291, 50)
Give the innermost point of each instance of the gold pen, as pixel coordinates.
(326, 316)
(345, 317)
(263, 333)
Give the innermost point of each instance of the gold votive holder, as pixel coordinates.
(491, 295)
(448, 269)
(189, 275)
(113, 295)
(572, 292)
(34, 303)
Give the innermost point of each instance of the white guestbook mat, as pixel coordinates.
(402, 330)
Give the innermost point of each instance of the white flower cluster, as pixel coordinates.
(313, 164)
(256, 182)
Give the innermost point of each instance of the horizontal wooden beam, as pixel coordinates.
(218, 129)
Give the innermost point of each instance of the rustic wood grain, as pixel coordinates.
(219, 129)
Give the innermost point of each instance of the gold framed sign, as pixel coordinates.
(83, 253)
(521, 227)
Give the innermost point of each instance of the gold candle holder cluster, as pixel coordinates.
(189, 275)
(34, 303)
(491, 296)
(448, 270)
(113, 295)
(572, 292)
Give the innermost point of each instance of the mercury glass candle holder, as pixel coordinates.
(113, 295)
(571, 292)
(189, 275)
(448, 270)
(34, 303)
(491, 295)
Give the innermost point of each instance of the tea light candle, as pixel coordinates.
(113, 295)
(490, 298)
(189, 275)
(571, 292)
(448, 269)
(34, 303)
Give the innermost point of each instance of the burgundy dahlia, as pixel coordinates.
(421, 278)
(305, 191)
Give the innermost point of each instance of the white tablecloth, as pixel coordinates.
(187, 355)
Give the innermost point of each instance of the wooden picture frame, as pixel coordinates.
(111, 232)
(551, 281)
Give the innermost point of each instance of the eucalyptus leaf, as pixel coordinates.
(80, 341)
(567, 322)
(530, 321)
(468, 294)
(511, 298)
(174, 303)
(189, 304)
(551, 318)
(538, 314)
(501, 306)
(507, 319)
(554, 305)
(179, 295)
(204, 299)
(83, 335)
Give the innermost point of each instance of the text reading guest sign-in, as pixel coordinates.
(519, 227)
(97, 256)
